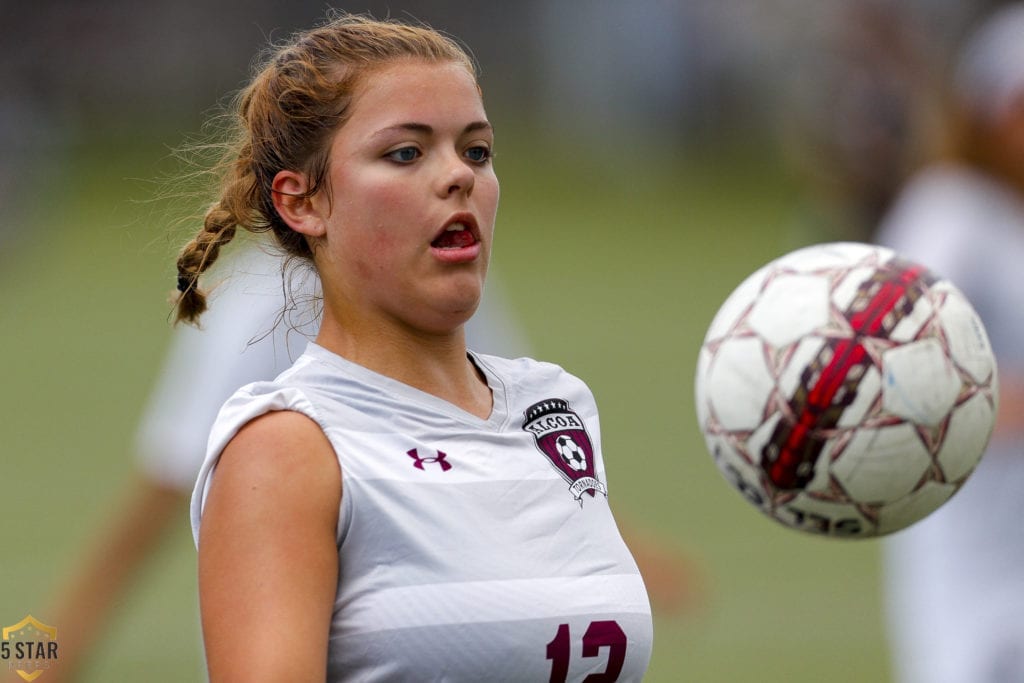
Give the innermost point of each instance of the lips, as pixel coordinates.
(458, 242)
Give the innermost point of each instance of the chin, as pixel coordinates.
(446, 320)
(454, 319)
(450, 306)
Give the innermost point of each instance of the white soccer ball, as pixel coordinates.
(571, 453)
(845, 391)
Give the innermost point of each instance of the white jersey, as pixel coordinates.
(242, 341)
(470, 549)
(955, 581)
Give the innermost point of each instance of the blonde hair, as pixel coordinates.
(284, 119)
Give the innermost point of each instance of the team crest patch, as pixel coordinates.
(561, 436)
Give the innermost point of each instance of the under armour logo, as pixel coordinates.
(440, 459)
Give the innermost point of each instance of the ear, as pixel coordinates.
(288, 191)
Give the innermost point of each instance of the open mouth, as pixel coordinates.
(455, 236)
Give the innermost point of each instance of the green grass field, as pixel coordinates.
(615, 274)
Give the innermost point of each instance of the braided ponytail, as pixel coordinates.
(197, 256)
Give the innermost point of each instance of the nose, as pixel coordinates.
(457, 177)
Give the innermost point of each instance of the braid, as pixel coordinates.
(197, 256)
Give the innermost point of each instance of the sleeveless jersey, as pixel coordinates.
(469, 549)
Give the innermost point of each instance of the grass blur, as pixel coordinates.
(615, 272)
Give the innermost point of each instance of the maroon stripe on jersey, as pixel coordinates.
(789, 457)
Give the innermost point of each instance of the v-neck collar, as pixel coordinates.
(499, 398)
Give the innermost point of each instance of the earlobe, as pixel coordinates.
(288, 191)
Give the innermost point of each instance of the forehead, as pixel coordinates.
(411, 90)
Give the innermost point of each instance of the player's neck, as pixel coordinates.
(435, 364)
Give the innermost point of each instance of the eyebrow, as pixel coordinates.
(428, 130)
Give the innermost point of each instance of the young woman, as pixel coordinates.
(394, 507)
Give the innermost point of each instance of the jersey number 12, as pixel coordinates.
(599, 634)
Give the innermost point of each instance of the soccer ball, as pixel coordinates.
(571, 453)
(845, 391)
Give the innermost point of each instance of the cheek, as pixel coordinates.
(379, 247)
(490, 195)
(369, 216)
(369, 250)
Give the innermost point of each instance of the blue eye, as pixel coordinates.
(479, 154)
(404, 155)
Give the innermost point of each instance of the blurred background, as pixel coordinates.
(652, 154)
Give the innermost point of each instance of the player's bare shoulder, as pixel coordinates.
(283, 452)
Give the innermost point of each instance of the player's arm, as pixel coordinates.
(673, 579)
(1010, 418)
(268, 560)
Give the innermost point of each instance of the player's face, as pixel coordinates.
(413, 198)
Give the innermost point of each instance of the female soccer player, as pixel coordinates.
(394, 507)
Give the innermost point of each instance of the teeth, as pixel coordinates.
(455, 227)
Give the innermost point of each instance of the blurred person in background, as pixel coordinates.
(255, 328)
(954, 583)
